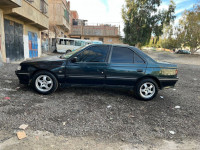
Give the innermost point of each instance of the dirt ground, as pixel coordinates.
(175, 58)
(94, 118)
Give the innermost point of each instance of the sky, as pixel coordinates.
(109, 11)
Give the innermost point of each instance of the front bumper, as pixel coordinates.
(23, 77)
(167, 82)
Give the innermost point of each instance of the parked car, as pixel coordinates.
(66, 45)
(183, 52)
(100, 65)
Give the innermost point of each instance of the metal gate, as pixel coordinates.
(14, 40)
(33, 44)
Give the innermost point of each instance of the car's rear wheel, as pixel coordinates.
(68, 51)
(146, 89)
(44, 82)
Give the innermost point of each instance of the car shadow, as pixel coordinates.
(82, 91)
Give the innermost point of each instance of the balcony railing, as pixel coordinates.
(95, 30)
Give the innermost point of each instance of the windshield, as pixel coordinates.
(66, 56)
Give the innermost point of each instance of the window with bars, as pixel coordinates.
(43, 6)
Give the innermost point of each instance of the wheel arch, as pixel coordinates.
(40, 70)
(150, 77)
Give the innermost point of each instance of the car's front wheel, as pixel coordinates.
(44, 82)
(146, 89)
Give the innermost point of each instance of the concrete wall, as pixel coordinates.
(2, 38)
(59, 32)
(107, 40)
(100, 30)
(18, 2)
(56, 17)
(32, 19)
(33, 13)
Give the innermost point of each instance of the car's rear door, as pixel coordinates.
(125, 67)
(90, 66)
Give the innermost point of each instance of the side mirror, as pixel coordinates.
(74, 60)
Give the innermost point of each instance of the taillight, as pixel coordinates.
(176, 71)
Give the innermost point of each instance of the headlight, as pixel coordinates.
(19, 68)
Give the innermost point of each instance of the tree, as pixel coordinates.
(144, 18)
(54, 29)
(171, 38)
(189, 28)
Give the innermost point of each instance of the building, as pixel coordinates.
(21, 23)
(74, 14)
(59, 18)
(106, 33)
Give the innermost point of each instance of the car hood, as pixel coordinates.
(44, 60)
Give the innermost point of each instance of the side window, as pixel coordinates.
(138, 60)
(67, 42)
(122, 55)
(77, 43)
(71, 42)
(94, 54)
(83, 43)
(62, 42)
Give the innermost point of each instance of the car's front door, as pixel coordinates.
(89, 67)
(125, 67)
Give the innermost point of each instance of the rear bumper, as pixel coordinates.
(23, 77)
(167, 82)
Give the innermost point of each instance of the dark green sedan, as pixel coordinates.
(100, 65)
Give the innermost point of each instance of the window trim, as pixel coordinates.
(140, 58)
(111, 52)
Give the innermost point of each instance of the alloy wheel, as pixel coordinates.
(44, 83)
(147, 90)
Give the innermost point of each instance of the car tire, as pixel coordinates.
(44, 82)
(146, 89)
(68, 51)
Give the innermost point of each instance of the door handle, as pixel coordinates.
(139, 70)
(101, 71)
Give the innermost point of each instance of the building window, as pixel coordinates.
(66, 15)
(75, 22)
(43, 6)
(101, 39)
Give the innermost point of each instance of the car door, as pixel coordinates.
(89, 67)
(125, 67)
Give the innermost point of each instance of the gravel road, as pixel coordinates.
(104, 114)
